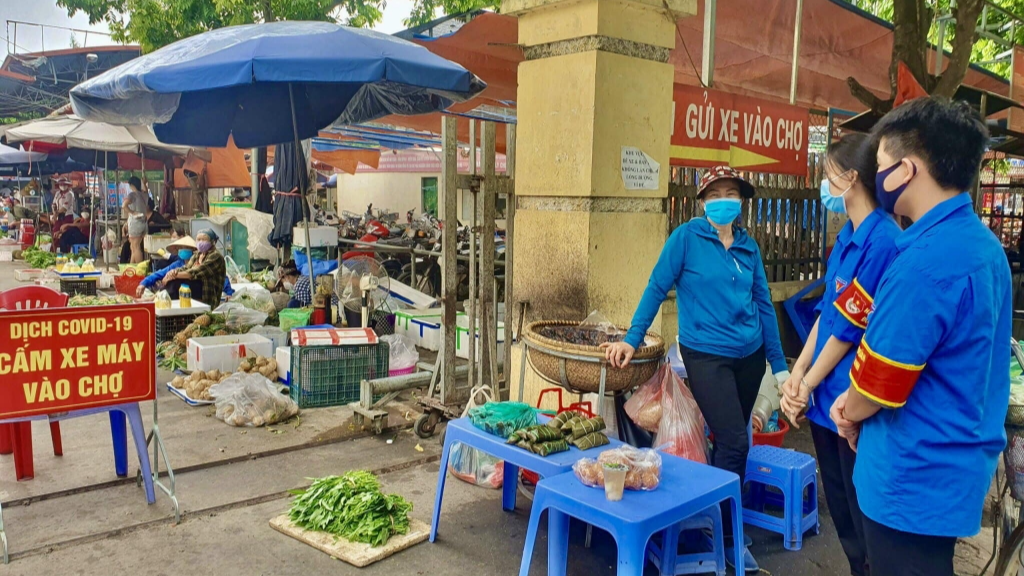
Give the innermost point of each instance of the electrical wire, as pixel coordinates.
(679, 34)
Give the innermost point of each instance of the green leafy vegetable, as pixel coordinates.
(353, 507)
(38, 259)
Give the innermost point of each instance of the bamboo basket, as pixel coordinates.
(551, 359)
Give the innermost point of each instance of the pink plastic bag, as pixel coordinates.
(681, 430)
(644, 406)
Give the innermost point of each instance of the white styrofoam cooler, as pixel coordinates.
(176, 309)
(462, 339)
(156, 242)
(423, 327)
(284, 364)
(226, 352)
(333, 336)
(410, 296)
(319, 236)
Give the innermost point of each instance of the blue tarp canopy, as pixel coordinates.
(241, 80)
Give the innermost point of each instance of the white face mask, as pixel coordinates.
(288, 285)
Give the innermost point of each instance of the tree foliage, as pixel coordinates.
(916, 31)
(156, 23)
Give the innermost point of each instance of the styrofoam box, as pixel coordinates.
(410, 296)
(226, 352)
(319, 236)
(6, 256)
(462, 340)
(176, 309)
(423, 327)
(284, 364)
(156, 242)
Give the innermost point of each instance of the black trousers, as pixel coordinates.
(836, 460)
(725, 390)
(174, 286)
(896, 553)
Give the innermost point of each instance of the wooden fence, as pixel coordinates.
(785, 218)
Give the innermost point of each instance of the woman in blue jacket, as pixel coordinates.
(727, 323)
(863, 251)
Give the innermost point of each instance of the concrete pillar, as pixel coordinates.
(596, 78)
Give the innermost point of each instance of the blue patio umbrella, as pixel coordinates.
(243, 80)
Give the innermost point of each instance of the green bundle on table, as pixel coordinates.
(502, 418)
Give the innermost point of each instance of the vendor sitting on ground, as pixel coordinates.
(302, 296)
(181, 251)
(72, 233)
(204, 273)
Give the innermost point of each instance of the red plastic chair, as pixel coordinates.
(17, 437)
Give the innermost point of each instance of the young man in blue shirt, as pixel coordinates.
(929, 387)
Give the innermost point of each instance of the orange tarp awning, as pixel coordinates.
(226, 169)
(753, 56)
(348, 160)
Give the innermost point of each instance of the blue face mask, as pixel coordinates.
(184, 254)
(887, 198)
(723, 211)
(832, 203)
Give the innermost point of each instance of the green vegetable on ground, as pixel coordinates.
(352, 507)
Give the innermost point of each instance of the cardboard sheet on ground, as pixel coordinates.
(355, 553)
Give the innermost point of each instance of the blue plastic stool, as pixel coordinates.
(792, 473)
(76, 247)
(686, 489)
(691, 531)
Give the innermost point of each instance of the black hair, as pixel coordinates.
(134, 181)
(854, 151)
(949, 136)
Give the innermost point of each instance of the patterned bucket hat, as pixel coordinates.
(724, 173)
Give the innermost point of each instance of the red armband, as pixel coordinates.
(882, 380)
(855, 304)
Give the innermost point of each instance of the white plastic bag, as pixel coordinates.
(600, 323)
(255, 298)
(401, 351)
(237, 315)
(246, 399)
(277, 336)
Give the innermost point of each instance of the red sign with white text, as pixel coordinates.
(62, 359)
(713, 128)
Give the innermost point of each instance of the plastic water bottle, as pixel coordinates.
(185, 296)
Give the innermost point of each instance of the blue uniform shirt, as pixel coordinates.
(725, 307)
(935, 353)
(855, 267)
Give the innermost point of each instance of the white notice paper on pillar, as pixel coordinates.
(639, 171)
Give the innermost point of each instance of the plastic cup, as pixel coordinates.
(614, 481)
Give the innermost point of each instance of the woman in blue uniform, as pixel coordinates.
(864, 249)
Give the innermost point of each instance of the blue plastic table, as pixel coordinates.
(463, 431)
(686, 489)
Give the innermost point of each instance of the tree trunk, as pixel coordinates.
(966, 14)
(912, 20)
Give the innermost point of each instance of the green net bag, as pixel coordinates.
(294, 318)
(502, 418)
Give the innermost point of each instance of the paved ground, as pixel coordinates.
(76, 518)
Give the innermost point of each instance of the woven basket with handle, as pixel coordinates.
(549, 359)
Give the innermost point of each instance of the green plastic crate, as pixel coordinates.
(331, 375)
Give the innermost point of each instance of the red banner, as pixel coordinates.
(713, 128)
(61, 359)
